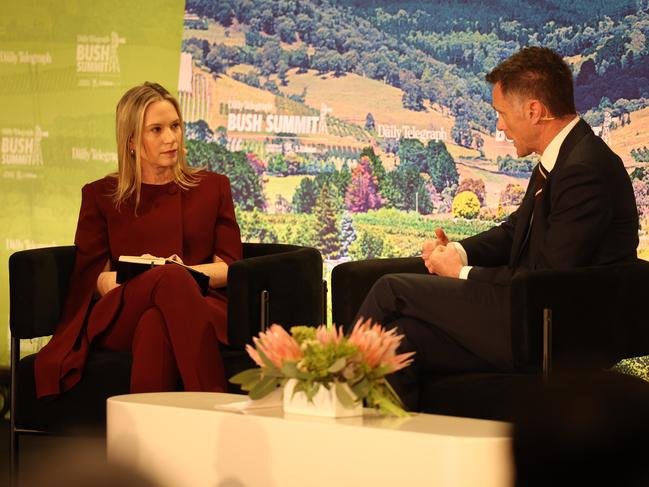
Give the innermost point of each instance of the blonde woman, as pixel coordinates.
(155, 204)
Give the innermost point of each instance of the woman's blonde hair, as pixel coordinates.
(129, 120)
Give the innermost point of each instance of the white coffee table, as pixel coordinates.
(181, 439)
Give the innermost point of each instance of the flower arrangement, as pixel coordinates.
(325, 357)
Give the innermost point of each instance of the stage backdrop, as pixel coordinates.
(353, 126)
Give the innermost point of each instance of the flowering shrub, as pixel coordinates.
(466, 205)
(325, 357)
(512, 195)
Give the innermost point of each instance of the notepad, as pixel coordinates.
(130, 266)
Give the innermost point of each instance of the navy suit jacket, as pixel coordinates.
(587, 216)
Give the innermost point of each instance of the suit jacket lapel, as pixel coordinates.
(523, 220)
(580, 130)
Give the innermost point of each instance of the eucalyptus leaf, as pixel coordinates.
(345, 398)
(264, 387)
(290, 370)
(362, 388)
(246, 376)
(337, 366)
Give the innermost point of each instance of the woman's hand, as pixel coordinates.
(217, 272)
(175, 258)
(107, 281)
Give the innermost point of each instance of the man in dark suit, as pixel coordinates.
(578, 210)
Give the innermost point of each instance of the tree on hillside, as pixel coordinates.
(347, 234)
(282, 71)
(221, 136)
(198, 130)
(413, 153)
(247, 186)
(370, 125)
(286, 30)
(376, 164)
(304, 197)
(254, 227)
(277, 165)
(461, 131)
(441, 166)
(413, 94)
(299, 59)
(325, 211)
(405, 189)
(362, 193)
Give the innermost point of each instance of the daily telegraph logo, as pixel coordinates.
(22, 147)
(97, 54)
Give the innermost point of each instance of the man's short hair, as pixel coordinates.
(539, 73)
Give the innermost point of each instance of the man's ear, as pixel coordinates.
(534, 110)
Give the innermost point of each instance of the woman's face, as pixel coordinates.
(161, 137)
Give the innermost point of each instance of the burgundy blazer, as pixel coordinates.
(195, 224)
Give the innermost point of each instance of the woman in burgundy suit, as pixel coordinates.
(155, 205)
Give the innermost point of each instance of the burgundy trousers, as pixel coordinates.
(166, 324)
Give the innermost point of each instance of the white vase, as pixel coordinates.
(325, 402)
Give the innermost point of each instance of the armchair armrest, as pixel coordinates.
(291, 275)
(38, 283)
(598, 314)
(351, 281)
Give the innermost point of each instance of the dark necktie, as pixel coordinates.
(539, 183)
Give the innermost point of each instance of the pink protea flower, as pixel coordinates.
(327, 335)
(277, 345)
(378, 347)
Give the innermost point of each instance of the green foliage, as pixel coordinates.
(405, 189)
(639, 173)
(441, 165)
(414, 224)
(247, 189)
(512, 195)
(466, 205)
(413, 153)
(476, 186)
(370, 124)
(325, 213)
(375, 162)
(370, 246)
(255, 228)
(510, 165)
(640, 154)
(303, 232)
(304, 197)
(347, 234)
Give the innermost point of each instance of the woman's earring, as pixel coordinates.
(132, 152)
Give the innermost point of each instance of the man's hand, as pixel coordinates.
(431, 245)
(444, 261)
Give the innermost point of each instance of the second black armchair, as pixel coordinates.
(580, 318)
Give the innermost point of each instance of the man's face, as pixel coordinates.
(512, 120)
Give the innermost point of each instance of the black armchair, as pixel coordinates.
(273, 283)
(580, 318)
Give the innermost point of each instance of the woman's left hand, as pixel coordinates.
(175, 258)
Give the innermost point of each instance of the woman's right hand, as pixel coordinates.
(107, 281)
